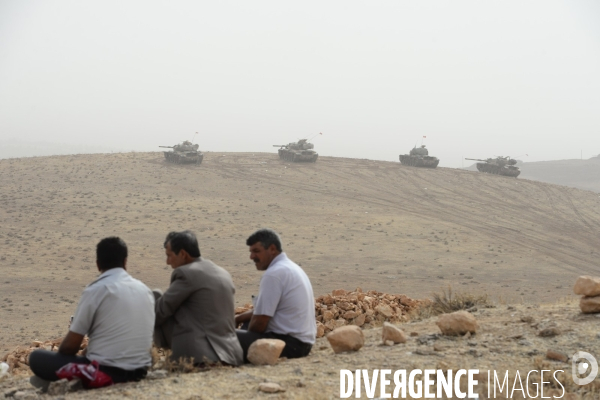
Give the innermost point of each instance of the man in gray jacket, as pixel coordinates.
(195, 316)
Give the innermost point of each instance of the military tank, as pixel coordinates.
(504, 166)
(300, 151)
(419, 157)
(183, 153)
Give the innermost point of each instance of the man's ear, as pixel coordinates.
(273, 249)
(125, 264)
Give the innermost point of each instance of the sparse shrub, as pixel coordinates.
(448, 302)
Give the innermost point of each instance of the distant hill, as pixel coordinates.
(581, 174)
(17, 148)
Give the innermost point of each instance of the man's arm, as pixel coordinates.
(179, 290)
(71, 344)
(243, 317)
(259, 323)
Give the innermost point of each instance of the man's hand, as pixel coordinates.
(259, 323)
(243, 317)
(70, 344)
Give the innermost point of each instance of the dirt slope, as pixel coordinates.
(348, 222)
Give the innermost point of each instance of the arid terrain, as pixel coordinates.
(348, 222)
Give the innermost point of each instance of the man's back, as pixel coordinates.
(201, 299)
(117, 313)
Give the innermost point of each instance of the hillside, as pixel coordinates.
(348, 222)
(580, 174)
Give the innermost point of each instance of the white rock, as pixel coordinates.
(346, 338)
(587, 286)
(270, 387)
(393, 333)
(590, 305)
(457, 323)
(265, 351)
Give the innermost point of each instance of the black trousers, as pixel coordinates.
(44, 364)
(294, 348)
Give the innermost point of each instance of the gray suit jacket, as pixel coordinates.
(199, 304)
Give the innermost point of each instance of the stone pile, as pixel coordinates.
(589, 288)
(18, 359)
(365, 309)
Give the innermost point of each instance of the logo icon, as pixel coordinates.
(582, 363)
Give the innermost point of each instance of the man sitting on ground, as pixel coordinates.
(117, 312)
(285, 307)
(194, 317)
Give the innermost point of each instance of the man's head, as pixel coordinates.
(181, 248)
(111, 252)
(264, 247)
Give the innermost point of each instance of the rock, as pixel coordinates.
(320, 330)
(346, 338)
(385, 310)
(457, 323)
(438, 347)
(157, 374)
(339, 292)
(36, 343)
(590, 305)
(350, 315)
(360, 320)
(58, 388)
(587, 286)
(549, 332)
(327, 316)
(388, 342)
(270, 387)
(557, 356)
(10, 392)
(393, 333)
(528, 319)
(425, 352)
(413, 334)
(265, 351)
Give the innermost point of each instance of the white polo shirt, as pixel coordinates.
(116, 311)
(286, 295)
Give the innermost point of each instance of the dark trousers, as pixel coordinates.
(294, 348)
(44, 364)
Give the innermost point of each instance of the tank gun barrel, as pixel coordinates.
(167, 147)
(474, 159)
(279, 145)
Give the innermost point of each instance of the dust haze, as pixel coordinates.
(477, 79)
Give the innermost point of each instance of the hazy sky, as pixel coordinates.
(478, 78)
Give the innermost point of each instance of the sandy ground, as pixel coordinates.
(348, 222)
(508, 340)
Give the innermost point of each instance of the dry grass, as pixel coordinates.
(448, 302)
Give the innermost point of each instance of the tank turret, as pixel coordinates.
(183, 153)
(419, 157)
(504, 166)
(300, 151)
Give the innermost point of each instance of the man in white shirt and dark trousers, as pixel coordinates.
(285, 306)
(116, 311)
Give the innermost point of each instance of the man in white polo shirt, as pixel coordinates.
(285, 307)
(116, 311)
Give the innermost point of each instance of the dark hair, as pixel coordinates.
(111, 252)
(185, 240)
(266, 237)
